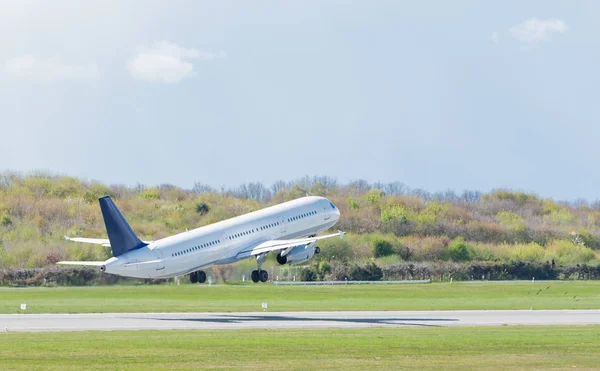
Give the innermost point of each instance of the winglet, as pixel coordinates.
(341, 234)
(67, 239)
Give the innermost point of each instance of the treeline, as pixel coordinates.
(435, 271)
(387, 223)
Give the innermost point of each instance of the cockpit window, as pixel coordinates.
(332, 205)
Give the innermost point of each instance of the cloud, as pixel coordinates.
(495, 37)
(29, 67)
(534, 30)
(167, 62)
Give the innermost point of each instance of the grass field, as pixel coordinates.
(248, 297)
(515, 348)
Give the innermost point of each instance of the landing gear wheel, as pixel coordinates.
(201, 276)
(264, 276)
(317, 250)
(255, 277)
(281, 259)
(194, 277)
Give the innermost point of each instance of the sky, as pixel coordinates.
(438, 95)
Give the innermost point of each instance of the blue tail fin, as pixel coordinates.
(121, 236)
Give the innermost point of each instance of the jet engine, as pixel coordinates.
(297, 254)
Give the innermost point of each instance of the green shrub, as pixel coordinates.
(308, 274)
(374, 196)
(567, 253)
(560, 216)
(369, 272)
(458, 250)
(5, 221)
(382, 248)
(150, 194)
(353, 204)
(393, 212)
(510, 220)
(202, 208)
(531, 252)
(335, 249)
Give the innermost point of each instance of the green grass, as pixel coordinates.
(248, 297)
(451, 348)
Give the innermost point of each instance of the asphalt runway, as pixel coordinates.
(290, 320)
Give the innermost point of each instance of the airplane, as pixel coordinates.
(288, 229)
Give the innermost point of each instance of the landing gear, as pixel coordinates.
(262, 276)
(198, 276)
(281, 259)
(317, 250)
(194, 277)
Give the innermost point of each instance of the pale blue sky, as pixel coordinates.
(436, 94)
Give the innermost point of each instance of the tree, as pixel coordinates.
(382, 248)
(458, 250)
(202, 208)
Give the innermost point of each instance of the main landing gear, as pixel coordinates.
(198, 276)
(260, 275)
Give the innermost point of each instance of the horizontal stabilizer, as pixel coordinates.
(150, 262)
(96, 241)
(89, 263)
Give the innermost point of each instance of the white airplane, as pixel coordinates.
(288, 229)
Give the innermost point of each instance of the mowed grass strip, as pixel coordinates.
(480, 348)
(248, 297)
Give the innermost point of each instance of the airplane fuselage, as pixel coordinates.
(226, 241)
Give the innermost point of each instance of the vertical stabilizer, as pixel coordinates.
(121, 236)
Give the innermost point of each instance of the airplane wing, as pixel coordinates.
(277, 245)
(98, 241)
(90, 263)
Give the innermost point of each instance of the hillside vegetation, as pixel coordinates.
(386, 223)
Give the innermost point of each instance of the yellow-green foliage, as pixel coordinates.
(150, 194)
(548, 206)
(37, 210)
(531, 252)
(374, 196)
(353, 204)
(510, 220)
(565, 253)
(432, 212)
(392, 212)
(484, 252)
(560, 216)
(520, 198)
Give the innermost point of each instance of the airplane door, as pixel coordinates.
(326, 215)
(161, 262)
(282, 222)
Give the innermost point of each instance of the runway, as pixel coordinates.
(290, 320)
